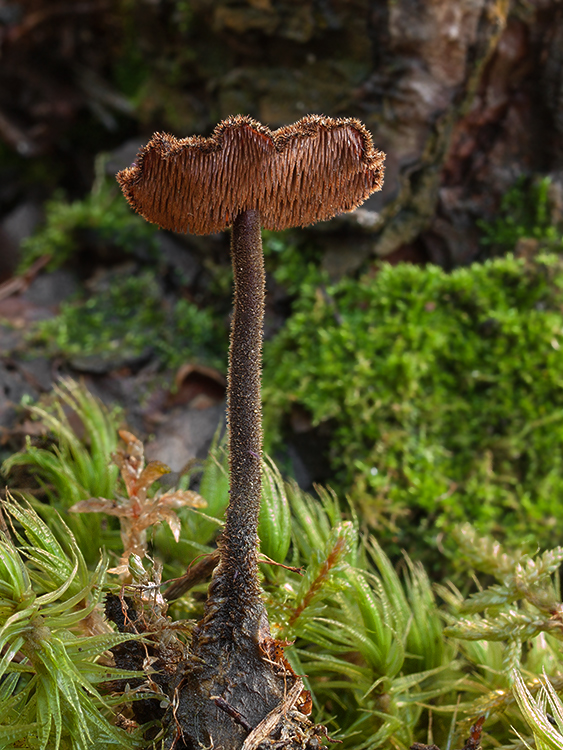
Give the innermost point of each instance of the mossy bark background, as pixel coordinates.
(464, 96)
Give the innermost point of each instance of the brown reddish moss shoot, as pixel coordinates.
(334, 557)
(137, 511)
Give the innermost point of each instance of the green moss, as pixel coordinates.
(102, 215)
(525, 212)
(129, 317)
(294, 265)
(370, 641)
(444, 392)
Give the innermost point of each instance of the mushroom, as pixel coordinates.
(236, 689)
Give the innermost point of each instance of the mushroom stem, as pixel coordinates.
(230, 673)
(239, 548)
(234, 610)
(236, 691)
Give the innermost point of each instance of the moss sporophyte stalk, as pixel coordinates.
(236, 689)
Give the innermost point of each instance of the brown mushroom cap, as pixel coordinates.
(297, 175)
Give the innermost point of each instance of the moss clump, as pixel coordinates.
(527, 211)
(371, 640)
(101, 219)
(294, 265)
(443, 392)
(129, 317)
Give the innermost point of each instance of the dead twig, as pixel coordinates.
(18, 284)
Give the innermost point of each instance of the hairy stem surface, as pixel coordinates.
(235, 691)
(240, 539)
(234, 609)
